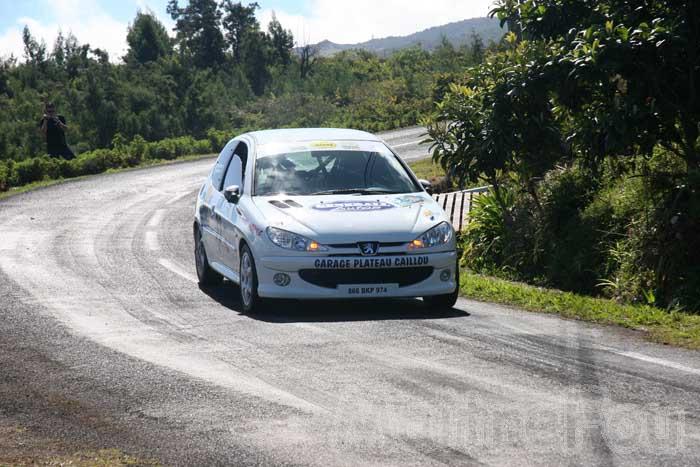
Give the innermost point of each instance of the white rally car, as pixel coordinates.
(322, 214)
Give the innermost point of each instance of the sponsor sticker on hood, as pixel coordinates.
(408, 200)
(353, 206)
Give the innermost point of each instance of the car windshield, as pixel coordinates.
(334, 169)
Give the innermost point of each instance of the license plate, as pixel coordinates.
(368, 290)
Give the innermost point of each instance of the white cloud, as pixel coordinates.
(84, 18)
(344, 21)
(11, 43)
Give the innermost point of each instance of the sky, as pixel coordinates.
(103, 23)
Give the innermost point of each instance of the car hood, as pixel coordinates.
(352, 218)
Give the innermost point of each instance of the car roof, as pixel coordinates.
(310, 134)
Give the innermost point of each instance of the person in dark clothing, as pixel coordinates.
(53, 127)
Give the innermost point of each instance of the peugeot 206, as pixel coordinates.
(322, 214)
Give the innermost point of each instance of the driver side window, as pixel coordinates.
(236, 169)
(222, 163)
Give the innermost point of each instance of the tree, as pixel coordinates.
(148, 40)
(5, 67)
(256, 57)
(240, 24)
(477, 48)
(198, 31)
(308, 55)
(75, 55)
(282, 42)
(58, 54)
(640, 66)
(500, 121)
(34, 52)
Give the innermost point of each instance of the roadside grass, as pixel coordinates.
(144, 164)
(33, 186)
(102, 458)
(427, 169)
(666, 327)
(20, 446)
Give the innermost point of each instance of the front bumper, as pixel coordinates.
(299, 288)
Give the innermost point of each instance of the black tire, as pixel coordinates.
(248, 278)
(205, 274)
(446, 301)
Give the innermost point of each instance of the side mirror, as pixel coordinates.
(426, 185)
(232, 193)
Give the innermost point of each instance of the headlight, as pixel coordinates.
(292, 241)
(441, 234)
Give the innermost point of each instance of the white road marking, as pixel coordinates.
(177, 197)
(157, 217)
(659, 361)
(172, 267)
(151, 240)
(396, 134)
(412, 143)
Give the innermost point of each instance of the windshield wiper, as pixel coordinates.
(359, 191)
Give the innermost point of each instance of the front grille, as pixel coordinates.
(330, 278)
(354, 245)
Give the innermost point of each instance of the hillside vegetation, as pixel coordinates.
(221, 75)
(459, 33)
(586, 124)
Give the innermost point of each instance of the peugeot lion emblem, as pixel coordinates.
(368, 248)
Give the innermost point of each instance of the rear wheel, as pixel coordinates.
(205, 274)
(248, 281)
(447, 300)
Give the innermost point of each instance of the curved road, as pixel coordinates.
(97, 279)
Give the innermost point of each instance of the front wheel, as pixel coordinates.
(205, 274)
(446, 301)
(248, 281)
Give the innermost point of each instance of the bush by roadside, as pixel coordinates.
(634, 237)
(123, 154)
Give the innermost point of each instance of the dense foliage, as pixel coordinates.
(587, 126)
(220, 72)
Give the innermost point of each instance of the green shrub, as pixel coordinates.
(97, 161)
(12, 176)
(137, 149)
(547, 238)
(572, 244)
(218, 139)
(632, 235)
(4, 176)
(656, 258)
(202, 146)
(486, 239)
(31, 170)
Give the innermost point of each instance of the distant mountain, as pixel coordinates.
(457, 33)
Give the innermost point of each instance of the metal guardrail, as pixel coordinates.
(458, 205)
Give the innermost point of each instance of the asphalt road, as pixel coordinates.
(100, 307)
(407, 143)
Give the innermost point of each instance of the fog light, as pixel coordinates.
(281, 279)
(445, 275)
